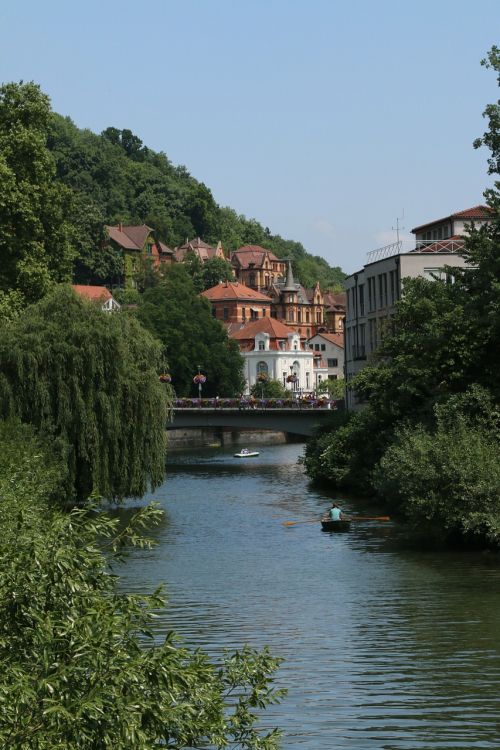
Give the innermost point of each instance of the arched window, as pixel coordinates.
(262, 367)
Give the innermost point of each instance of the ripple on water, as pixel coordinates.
(384, 648)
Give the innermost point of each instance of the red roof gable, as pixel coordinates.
(273, 327)
(233, 290)
(252, 254)
(94, 293)
(129, 237)
(333, 338)
(480, 212)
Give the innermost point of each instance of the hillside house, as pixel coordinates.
(138, 244)
(98, 294)
(235, 304)
(203, 251)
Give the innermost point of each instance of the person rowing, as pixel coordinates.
(335, 513)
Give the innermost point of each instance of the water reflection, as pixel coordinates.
(384, 646)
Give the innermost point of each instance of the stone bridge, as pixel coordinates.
(295, 420)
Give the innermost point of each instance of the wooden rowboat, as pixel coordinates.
(329, 525)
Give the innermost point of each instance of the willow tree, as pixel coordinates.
(88, 380)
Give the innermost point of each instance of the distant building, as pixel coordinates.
(203, 251)
(373, 291)
(138, 243)
(235, 304)
(98, 294)
(268, 346)
(302, 309)
(257, 267)
(335, 311)
(329, 347)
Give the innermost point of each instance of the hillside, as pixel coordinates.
(116, 178)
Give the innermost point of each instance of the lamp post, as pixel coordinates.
(262, 378)
(199, 379)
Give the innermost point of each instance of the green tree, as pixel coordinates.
(35, 232)
(75, 672)
(194, 267)
(183, 322)
(216, 270)
(89, 381)
(332, 388)
(269, 388)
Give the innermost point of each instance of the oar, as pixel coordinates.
(357, 518)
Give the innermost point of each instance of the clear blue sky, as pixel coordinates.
(324, 120)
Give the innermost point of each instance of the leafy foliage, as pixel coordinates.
(74, 671)
(448, 478)
(269, 388)
(89, 381)
(191, 337)
(128, 182)
(35, 231)
(431, 392)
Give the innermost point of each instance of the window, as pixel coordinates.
(262, 366)
(333, 377)
(307, 381)
(244, 313)
(392, 287)
(262, 346)
(316, 347)
(214, 312)
(333, 362)
(361, 299)
(226, 313)
(323, 347)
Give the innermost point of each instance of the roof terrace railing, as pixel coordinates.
(453, 245)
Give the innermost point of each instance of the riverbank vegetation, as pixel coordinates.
(428, 437)
(82, 419)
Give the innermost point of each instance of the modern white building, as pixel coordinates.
(373, 291)
(269, 346)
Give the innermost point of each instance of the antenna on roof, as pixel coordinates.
(397, 227)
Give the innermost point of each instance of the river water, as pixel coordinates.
(385, 646)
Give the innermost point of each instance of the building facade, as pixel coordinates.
(98, 294)
(372, 292)
(329, 347)
(137, 245)
(235, 304)
(268, 346)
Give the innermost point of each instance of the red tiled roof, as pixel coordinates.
(476, 212)
(335, 300)
(129, 237)
(252, 254)
(195, 244)
(333, 338)
(165, 249)
(271, 326)
(233, 290)
(94, 293)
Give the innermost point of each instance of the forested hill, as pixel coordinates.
(116, 178)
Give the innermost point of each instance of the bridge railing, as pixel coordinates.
(257, 403)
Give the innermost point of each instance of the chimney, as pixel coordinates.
(120, 226)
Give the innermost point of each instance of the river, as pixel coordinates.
(385, 646)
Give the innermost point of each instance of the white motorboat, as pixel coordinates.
(245, 453)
